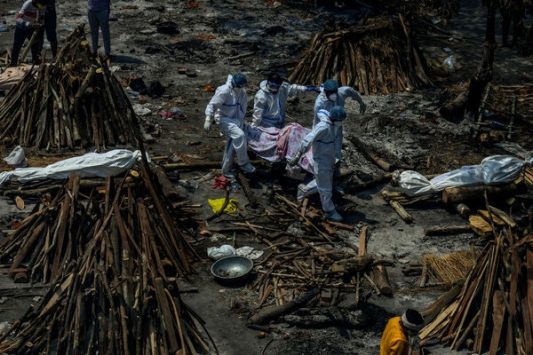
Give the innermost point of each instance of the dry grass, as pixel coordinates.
(452, 267)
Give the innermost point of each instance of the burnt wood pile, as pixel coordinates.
(316, 269)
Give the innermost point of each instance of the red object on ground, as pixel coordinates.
(221, 182)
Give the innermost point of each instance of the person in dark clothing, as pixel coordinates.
(29, 19)
(99, 19)
(50, 25)
(513, 12)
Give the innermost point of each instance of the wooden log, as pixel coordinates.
(381, 278)
(401, 211)
(21, 277)
(32, 192)
(351, 266)
(503, 216)
(241, 56)
(85, 84)
(243, 180)
(374, 158)
(476, 193)
(454, 109)
(272, 312)
(433, 310)
(498, 316)
(169, 190)
(447, 230)
(362, 240)
(327, 317)
(376, 181)
(202, 165)
(462, 209)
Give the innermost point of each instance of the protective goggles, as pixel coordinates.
(273, 85)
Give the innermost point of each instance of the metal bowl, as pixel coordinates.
(232, 268)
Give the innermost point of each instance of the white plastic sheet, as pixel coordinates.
(16, 158)
(227, 250)
(493, 170)
(220, 252)
(111, 163)
(249, 252)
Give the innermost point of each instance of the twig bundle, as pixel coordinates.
(450, 268)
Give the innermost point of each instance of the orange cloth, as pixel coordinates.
(394, 340)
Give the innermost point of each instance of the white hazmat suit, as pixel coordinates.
(322, 140)
(269, 107)
(322, 102)
(228, 108)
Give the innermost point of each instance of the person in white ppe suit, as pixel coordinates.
(322, 141)
(333, 95)
(270, 101)
(227, 108)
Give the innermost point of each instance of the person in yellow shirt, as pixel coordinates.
(400, 336)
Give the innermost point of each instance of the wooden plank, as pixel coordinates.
(406, 216)
(381, 278)
(362, 240)
(529, 273)
(441, 318)
(447, 230)
(498, 317)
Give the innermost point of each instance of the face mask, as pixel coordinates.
(273, 88)
(332, 97)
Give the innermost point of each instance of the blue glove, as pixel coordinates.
(312, 88)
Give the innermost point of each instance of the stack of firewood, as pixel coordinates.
(75, 103)
(380, 56)
(113, 254)
(494, 309)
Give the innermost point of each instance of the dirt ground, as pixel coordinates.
(405, 128)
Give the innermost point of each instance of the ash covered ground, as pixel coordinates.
(405, 128)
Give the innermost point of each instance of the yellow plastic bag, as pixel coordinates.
(217, 203)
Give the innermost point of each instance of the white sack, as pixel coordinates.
(111, 163)
(493, 170)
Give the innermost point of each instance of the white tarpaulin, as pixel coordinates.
(496, 169)
(110, 163)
